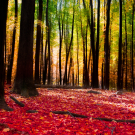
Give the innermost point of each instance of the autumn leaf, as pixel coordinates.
(6, 129)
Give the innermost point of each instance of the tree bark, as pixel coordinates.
(3, 15)
(125, 52)
(120, 47)
(38, 41)
(97, 44)
(77, 56)
(48, 41)
(70, 45)
(45, 64)
(10, 66)
(132, 64)
(106, 75)
(60, 39)
(24, 84)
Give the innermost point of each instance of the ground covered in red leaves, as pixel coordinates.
(78, 101)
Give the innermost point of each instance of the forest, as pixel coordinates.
(67, 52)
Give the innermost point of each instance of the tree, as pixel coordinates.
(125, 47)
(24, 84)
(97, 43)
(77, 56)
(92, 44)
(3, 15)
(119, 81)
(132, 67)
(68, 49)
(60, 37)
(10, 65)
(48, 39)
(106, 75)
(38, 40)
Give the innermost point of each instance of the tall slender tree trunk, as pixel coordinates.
(97, 44)
(104, 42)
(70, 45)
(125, 52)
(73, 81)
(77, 55)
(41, 59)
(48, 40)
(123, 66)
(60, 46)
(10, 66)
(102, 74)
(132, 66)
(106, 75)
(120, 47)
(94, 81)
(45, 64)
(70, 65)
(86, 62)
(38, 41)
(66, 34)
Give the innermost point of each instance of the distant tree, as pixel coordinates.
(60, 23)
(95, 49)
(45, 63)
(66, 38)
(38, 41)
(3, 15)
(47, 60)
(97, 44)
(132, 60)
(125, 48)
(119, 81)
(41, 59)
(48, 39)
(77, 56)
(102, 72)
(10, 65)
(68, 48)
(23, 83)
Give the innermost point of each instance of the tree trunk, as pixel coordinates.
(86, 61)
(70, 45)
(24, 84)
(48, 38)
(106, 75)
(132, 67)
(97, 45)
(38, 40)
(70, 65)
(125, 52)
(3, 15)
(120, 47)
(102, 74)
(41, 59)
(60, 39)
(45, 64)
(10, 66)
(66, 34)
(93, 46)
(77, 56)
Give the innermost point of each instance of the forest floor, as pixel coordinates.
(78, 101)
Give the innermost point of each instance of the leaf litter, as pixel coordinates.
(43, 121)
